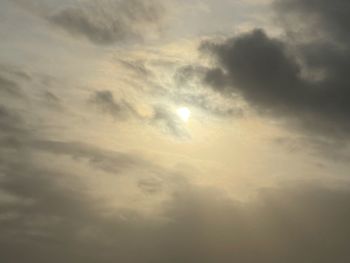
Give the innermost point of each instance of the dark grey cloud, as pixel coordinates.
(332, 16)
(110, 21)
(257, 67)
(303, 76)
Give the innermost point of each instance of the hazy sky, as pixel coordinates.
(174, 131)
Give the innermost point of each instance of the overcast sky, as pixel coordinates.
(174, 131)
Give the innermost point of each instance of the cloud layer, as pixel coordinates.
(78, 187)
(111, 21)
(302, 76)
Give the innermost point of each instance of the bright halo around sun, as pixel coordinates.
(184, 113)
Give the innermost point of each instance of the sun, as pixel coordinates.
(184, 113)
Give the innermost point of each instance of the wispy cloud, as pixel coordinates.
(108, 22)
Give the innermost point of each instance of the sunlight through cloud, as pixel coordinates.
(184, 113)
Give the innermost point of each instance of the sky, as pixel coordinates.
(167, 131)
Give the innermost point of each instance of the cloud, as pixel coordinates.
(168, 121)
(105, 101)
(110, 161)
(111, 21)
(53, 207)
(302, 77)
(161, 116)
(189, 80)
(208, 228)
(244, 59)
(48, 207)
(12, 125)
(15, 72)
(332, 17)
(63, 200)
(56, 221)
(9, 88)
(138, 67)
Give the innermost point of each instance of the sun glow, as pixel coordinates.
(184, 114)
